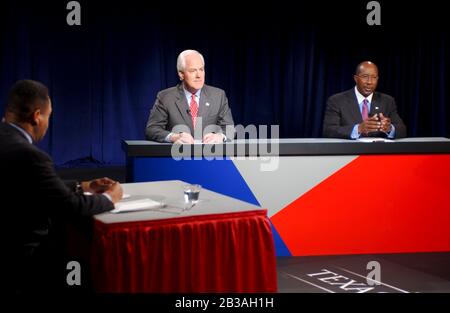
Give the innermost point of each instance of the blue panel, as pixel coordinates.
(280, 247)
(218, 175)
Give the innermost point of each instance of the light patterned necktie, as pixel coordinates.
(365, 110)
(193, 107)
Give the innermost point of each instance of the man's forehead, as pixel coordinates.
(193, 58)
(195, 67)
(368, 68)
(191, 67)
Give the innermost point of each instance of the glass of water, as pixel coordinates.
(191, 195)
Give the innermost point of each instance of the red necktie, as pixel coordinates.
(365, 110)
(193, 107)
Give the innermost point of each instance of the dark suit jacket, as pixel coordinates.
(342, 113)
(33, 196)
(171, 109)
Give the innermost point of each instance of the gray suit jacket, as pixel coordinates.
(342, 113)
(171, 110)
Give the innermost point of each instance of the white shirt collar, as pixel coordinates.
(360, 97)
(188, 94)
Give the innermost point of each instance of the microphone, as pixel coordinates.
(188, 111)
(377, 111)
(378, 133)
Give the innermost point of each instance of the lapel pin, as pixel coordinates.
(207, 104)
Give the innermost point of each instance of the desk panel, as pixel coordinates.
(387, 199)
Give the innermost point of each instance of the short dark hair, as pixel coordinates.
(25, 97)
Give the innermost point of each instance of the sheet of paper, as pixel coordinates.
(374, 139)
(136, 205)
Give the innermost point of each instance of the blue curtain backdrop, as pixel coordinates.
(277, 61)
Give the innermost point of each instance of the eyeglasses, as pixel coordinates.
(367, 77)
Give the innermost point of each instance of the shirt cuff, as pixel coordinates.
(167, 139)
(391, 134)
(355, 134)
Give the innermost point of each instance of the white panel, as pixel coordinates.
(294, 176)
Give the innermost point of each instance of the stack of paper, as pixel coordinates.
(136, 205)
(374, 139)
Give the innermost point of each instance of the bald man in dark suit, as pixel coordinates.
(361, 111)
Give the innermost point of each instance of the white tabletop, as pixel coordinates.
(171, 193)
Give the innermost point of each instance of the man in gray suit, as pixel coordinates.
(362, 112)
(191, 109)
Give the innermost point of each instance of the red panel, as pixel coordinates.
(375, 204)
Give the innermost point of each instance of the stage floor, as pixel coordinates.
(399, 273)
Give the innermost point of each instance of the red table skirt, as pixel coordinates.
(232, 252)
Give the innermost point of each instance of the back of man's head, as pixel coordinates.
(25, 97)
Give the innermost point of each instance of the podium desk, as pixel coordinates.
(219, 245)
(323, 196)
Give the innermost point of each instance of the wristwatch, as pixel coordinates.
(78, 188)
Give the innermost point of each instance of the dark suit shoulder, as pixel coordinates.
(168, 91)
(383, 97)
(28, 151)
(16, 147)
(345, 94)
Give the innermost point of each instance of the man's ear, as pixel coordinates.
(355, 78)
(36, 117)
(181, 75)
